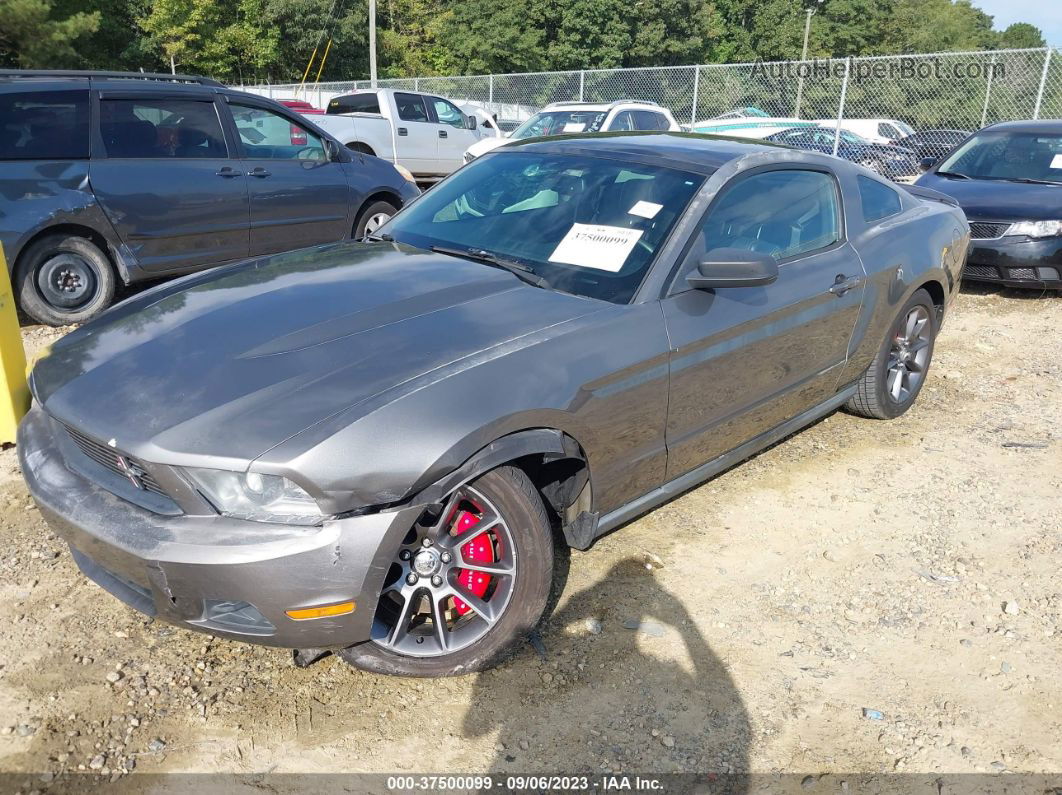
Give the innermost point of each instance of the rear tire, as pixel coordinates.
(373, 217)
(64, 279)
(513, 498)
(891, 384)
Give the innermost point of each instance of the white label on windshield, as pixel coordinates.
(593, 246)
(1056, 161)
(645, 209)
(574, 126)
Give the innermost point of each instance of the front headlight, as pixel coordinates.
(256, 497)
(407, 175)
(1036, 228)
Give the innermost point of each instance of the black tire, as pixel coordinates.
(872, 398)
(63, 279)
(516, 499)
(373, 211)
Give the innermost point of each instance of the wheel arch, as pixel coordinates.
(361, 147)
(556, 464)
(382, 194)
(937, 293)
(67, 228)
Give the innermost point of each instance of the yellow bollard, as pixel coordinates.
(14, 391)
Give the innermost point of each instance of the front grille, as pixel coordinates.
(987, 230)
(1022, 273)
(983, 271)
(112, 459)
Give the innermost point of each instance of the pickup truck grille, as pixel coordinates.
(116, 461)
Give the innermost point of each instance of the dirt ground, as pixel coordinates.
(908, 567)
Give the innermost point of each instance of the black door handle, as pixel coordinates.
(227, 171)
(258, 172)
(403, 131)
(442, 133)
(842, 285)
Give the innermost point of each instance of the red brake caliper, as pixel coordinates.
(478, 550)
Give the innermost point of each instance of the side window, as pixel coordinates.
(879, 201)
(782, 213)
(886, 130)
(355, 103)
(44, 125)
(161, 128)
(648, 120)
(624, 121)
(269, 136)
(448, 113)
(411, 107)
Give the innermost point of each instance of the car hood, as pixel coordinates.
(997, 200)
(484, 145)
(231, 363)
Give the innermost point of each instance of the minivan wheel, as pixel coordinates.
(373, 217)
(64, 279)
(892, 382)
(469, 581)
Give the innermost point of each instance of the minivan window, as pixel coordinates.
(269, 136)
(44, 125)
(879, 201)
(161, 128)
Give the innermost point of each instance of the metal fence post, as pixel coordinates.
(840, 105)
(416, 84)
(490, 100)
(582, 78)
(696, 89)
(988, 88)
(1043, 82)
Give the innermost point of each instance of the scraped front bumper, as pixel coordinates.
(228, 577)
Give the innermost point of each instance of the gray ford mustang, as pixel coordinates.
(380, 448)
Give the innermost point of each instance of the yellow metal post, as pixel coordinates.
(14, 392)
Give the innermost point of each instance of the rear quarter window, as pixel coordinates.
(879, 201)
(44, 125)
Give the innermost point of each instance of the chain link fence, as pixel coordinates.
(936, 95)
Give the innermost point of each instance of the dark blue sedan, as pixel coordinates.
(894, 162)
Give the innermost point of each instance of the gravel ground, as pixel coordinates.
(863, 597)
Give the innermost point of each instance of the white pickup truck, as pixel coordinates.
(425, 133)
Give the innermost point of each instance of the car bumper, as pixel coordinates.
(230, 578)
(1016, 262)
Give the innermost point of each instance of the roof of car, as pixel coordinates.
(1040, 126)
(694, 151)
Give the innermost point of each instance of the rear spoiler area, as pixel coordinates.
(928, 194)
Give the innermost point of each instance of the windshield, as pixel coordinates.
(558, 122)
(586, 225)
(1008, 155)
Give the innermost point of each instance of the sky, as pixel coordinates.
(1045, 14)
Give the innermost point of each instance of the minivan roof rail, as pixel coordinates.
(91, 73)
(611, 104)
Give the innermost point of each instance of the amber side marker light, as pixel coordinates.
(341, 609)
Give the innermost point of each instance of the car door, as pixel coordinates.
(169, 180)
(745, 359)
(454, 137)
(298, 194)
(417, 134)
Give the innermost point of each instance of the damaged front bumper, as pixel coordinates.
(228, 577)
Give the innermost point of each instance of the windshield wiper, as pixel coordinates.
(953, 174)
(515, 267)
(1030, 181)
(379, 238)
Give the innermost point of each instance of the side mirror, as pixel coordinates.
(927, 163)
(331, 150)
(733, 267)
(470, 122)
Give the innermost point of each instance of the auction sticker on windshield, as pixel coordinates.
(1056, 161)
(595, 246)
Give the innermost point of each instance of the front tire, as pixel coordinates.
(891, 384)
(64, 279)
(373, 217)
(467, 584)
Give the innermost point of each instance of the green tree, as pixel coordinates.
(1019, 36)
(31, 38)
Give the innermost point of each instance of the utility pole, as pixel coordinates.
(372, 42)
(803, 57)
